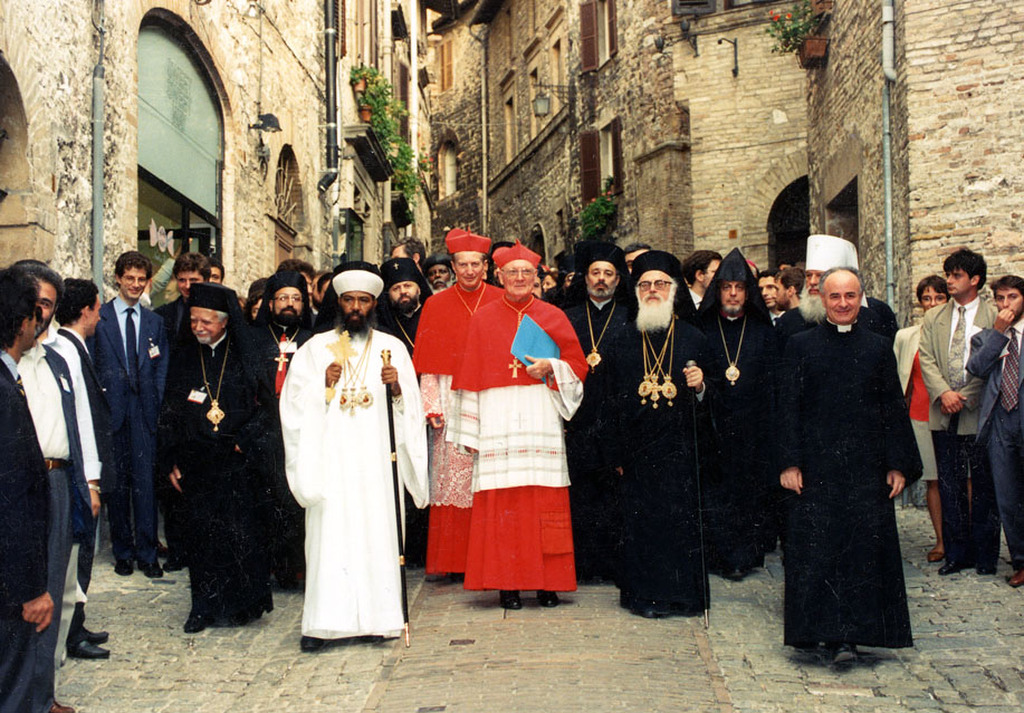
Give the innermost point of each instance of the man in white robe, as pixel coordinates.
(338, 462)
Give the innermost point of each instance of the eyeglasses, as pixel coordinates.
(288, 298)
(520, 272)
(646, 285)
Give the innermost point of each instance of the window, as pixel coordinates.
(510, 125)
(447, 75)
(599, 36)
(557, 73)
(447, 180)
(600, 160)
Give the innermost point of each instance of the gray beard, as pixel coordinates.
(654, 317)
(812, 309)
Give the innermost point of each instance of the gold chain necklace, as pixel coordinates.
(216, 414)
(649, 387)
(405, 334)
(519, 312)
(732, 373)
(350, 396)
(594, 358)
(283, 347)
(458, 293)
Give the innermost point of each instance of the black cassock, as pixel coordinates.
(224, 539)
(284, 518)
(739, 482)
(844, 423)
(661, 538)
(594, 489)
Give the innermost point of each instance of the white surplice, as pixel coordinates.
(339, 469)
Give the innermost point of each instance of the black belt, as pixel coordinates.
(56, 463)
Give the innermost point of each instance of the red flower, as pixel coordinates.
(775, 18)
(789, 16)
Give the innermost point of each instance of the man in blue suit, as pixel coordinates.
(995, 356)
(131, 356)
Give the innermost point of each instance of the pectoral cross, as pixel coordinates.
(341, 349)
(282, 362)
(515, 366)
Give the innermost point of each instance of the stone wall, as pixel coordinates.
(50, 47)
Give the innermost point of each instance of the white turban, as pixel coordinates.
(358, 281)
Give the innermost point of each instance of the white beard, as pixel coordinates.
(811, 307)
(656, 316)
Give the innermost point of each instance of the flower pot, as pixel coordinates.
(365, 113)
(359, 85)
(813, 52)
(820, 7)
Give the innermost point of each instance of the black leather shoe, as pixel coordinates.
(151, 569)
(982, 569)
(650, 611)
(311, 644)
(952, 568)
(95, 637)
(84, 650)
(510, 599)
(843, 653)
(173, 564)
(123, 567)
(547, 599)
(195, 623)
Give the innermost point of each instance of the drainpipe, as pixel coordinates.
(889, 72)
(331, 116)
(414, 87)
(98, 73)
(484, 134)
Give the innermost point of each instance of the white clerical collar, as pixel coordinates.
(841, 328)
(213, 347)
(731, 317)
(600, 305)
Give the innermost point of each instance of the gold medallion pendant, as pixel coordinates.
(215, 415)
(593, 359)
(364, 398)
(732, 374)
(669, 389)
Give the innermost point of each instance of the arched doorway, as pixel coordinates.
(290, 218)
(181, 149)
(789, 224)
(17, 236)
(536, 241)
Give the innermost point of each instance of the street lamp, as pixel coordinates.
(542, 102)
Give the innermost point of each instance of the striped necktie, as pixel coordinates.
(1008, 388)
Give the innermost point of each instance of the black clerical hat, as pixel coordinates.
(277, 281)
(735, 268)
(590, 251)
(210, 295)
(659, 260)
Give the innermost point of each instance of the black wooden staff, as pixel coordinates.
(700, 501)
(385, 356)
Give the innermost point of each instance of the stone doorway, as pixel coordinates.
(18, 236)
(789, 224)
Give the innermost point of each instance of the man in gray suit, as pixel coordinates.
(970, 528)
(995, 356)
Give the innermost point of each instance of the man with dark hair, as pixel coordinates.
(769, 288)
(302, 267)
(631, 252)
(742, 365)
(78, 314)
(790, 282)
(995, 356)
(216, 270)
(189, 269)
(131, 354)
(970, 525)
(407, 291)
(283, 324)
(320, 285)
(698, 271)
(846, 450)
(26, 607)
(411, 248)
(60, 411)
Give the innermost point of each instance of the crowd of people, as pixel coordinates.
(626, 418)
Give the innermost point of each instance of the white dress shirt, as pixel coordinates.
(970, 330)
(86, 433)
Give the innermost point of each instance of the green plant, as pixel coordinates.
(790, 29)
(598, 215)
(386, 114)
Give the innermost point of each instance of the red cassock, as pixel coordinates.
(440, 339)
(520, 536)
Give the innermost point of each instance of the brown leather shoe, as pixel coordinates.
(1016, 579)
(60, 708)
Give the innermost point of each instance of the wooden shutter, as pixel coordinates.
(403, 96)
(588, 36)
(339, 22)
(446, 65)
(613, 29)
(616, 131)
(590, 165)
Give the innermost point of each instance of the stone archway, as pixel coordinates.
(19, 236)
(758, 242)
(789, 224)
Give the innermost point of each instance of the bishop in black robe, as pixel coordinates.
(662, 571)
(598, 307)
(282, 325)
(844, 424)
(216, 467)
(741, 478)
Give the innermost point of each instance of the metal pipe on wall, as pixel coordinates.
(98, 98)
(889, 72)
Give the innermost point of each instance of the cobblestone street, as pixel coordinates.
(587, 655)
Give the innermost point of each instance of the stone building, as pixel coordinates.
(956, 143)
(213, 124)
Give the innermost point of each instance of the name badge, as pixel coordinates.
(197, 397)
(154, 350)
(291, 348)
(64, 384)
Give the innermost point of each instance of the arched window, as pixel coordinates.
(447, 171)
(181, 149)
(17, 238)
(288, 203)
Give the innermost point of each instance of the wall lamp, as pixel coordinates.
(735, 42)
(542, 102)
(267, 122)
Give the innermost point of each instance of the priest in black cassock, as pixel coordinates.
(598, 304)
(209, 441)
(846, 450)
(742, 360)
(282, 325)
(657, 399)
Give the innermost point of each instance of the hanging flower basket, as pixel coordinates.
(813, 52)
(359, 85)
(365, 113)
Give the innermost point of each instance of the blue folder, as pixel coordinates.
(531, 339)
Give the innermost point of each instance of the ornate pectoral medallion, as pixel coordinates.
(732, 374)
(593, 358)
(215, 415)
